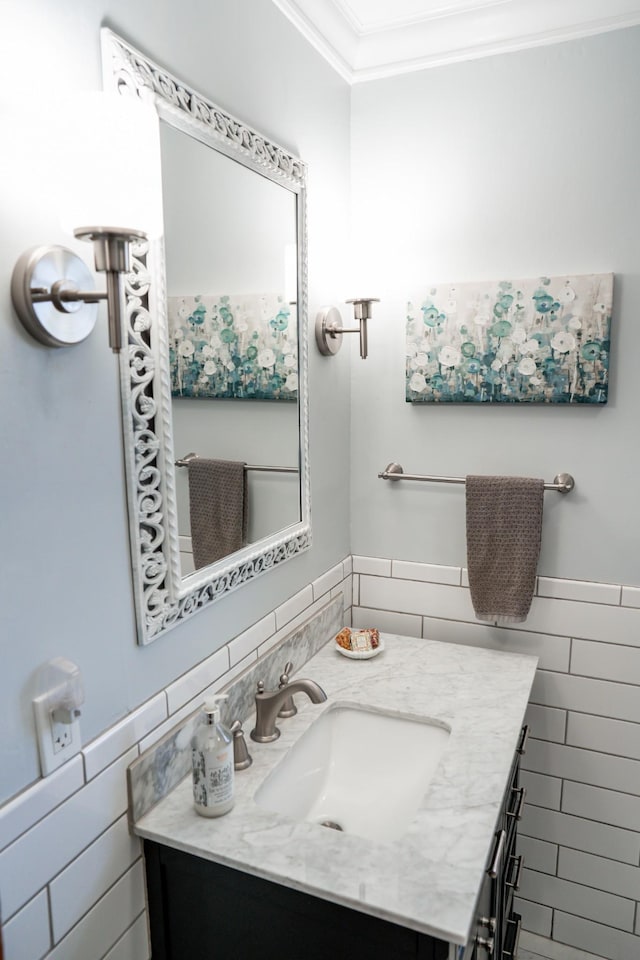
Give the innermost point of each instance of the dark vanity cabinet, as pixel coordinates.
(497, 928)
(200, 910)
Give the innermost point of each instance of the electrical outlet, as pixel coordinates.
(61, 735)
(57, 741)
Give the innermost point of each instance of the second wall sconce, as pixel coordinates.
(106, 174)
(329, 327)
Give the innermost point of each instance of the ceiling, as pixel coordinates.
(368, 39)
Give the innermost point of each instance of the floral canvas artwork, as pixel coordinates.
(242, 347)
(545, 340)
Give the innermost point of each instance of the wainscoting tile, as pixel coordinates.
(582, 590)
(538, 855)
(21, 813)
(541, 790)
(62, 835)
(601, 697)
(631, 596)
(608, 736)
(588, 621)
(376, 566)
(294, 606)
(88, 878)
(198, 679)
(546, 723)
(347, 566)
(585, 766)
(118, 739)
(105, 923)
(590, 936)
(27, 936)
(551, 949)
(535, 918)
(599, 872)
(404, 624)
(410, 596)
(577, 899)
(552, 652)
(608, 661)
(581, 834)
(249, 640)
(431, 572)
(328, 580)
(603, 805)
(133, 945)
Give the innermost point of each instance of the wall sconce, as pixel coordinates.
(111, 175)
(329, 327)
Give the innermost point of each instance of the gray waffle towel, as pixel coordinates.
(218, 506)
(504, 529)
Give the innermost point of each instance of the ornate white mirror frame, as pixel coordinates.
(163, 598)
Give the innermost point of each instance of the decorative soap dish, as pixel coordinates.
(359, 644)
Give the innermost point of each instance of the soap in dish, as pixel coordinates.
(359, 644)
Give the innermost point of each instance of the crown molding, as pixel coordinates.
(361, 49)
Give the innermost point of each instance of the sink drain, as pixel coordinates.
(331, 824)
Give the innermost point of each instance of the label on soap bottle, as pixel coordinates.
(213, 779)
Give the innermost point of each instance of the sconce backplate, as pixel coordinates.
(327, 321)
(40, 277)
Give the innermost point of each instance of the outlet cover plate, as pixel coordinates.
(57, 742)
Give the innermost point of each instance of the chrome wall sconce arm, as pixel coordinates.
(52, 288)
(329, 329)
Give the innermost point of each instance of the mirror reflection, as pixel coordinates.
(231, 260)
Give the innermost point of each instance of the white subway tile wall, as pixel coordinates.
(71, 876)
(580, 833)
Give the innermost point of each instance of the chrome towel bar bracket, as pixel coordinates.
(563, 483)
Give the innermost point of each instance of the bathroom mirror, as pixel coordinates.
(216, 362)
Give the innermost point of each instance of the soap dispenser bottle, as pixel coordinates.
(212, 759)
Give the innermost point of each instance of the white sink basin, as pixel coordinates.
(360, 769)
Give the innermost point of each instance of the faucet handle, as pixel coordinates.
(284, 677)
(260, 686)
(241, 756)
(288, 708)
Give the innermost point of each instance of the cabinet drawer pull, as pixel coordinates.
(524, 736)
(516, 882)
(497, 853)
(488, 943)
(517, 813)
(512, 954)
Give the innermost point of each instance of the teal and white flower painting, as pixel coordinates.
(241, 347)
(545, 340)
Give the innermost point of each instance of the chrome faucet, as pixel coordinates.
(269, 702)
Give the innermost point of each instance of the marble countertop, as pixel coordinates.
(428, 879)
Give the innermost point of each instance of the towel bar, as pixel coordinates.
(184, 462)
(563, 483)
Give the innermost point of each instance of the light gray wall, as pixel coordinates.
(65, 588)
(515, 166)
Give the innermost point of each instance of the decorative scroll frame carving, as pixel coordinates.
(163, 598)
